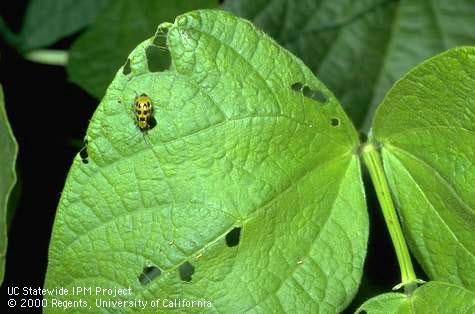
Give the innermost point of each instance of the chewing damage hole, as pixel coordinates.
(335, 122)
(297, 86)
(307, 91)
(317, 95)
(84, 154)
(126, 69)
(233, 237)
(160, 38)
(158, 55)
(186, 270)
(148, 274)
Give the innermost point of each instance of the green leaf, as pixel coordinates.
(426, 128)
(8, 154)
(103, 48)
(47, 21)
(360, 48)
(246, 137)
(433, 297)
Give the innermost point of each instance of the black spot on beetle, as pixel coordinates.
(142, 118)
(148, 274)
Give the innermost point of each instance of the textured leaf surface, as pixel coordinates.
(433, 297)
(8, 154)
(235, 146)
(47, 21)
(360, 48)
(426, 126)
(96, 55)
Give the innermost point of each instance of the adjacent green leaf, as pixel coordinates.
(99, 52)
(8, 154)
(426, 127)
(360, 48)
(432, 297)
(246, 137)
(47, 21)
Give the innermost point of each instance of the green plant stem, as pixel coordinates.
(373, 162)
(52, 57)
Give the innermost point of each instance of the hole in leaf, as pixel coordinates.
(126, 69)
(297, 86)
(233, 237)
(307, 91)
(84, 154)
(186, 270)
(335, 122)
(319, 96)
(158, 55)
(160, 38)
(148, 274)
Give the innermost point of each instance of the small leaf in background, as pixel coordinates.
(432, 297)
(47, 21)
(103, 48)
(8, 154)
(246, 193)
(426, 127)
(360, 48)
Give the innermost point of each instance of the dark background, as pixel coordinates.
(49, 117)
(47, 114)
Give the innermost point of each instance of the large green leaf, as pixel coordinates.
(246, 137)
(426, 127)
(360, 48)
(433, 297)
(47, 21)
(8, 154)
(99, 52)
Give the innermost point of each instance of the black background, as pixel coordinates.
(48, 114)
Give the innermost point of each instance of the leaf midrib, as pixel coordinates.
(252, 216)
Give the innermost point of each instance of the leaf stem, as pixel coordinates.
(45, 56)
(373, 162)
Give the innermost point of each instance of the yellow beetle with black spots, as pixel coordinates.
(143, 110)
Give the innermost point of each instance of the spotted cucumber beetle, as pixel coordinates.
(143, 114)
(143, 110)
